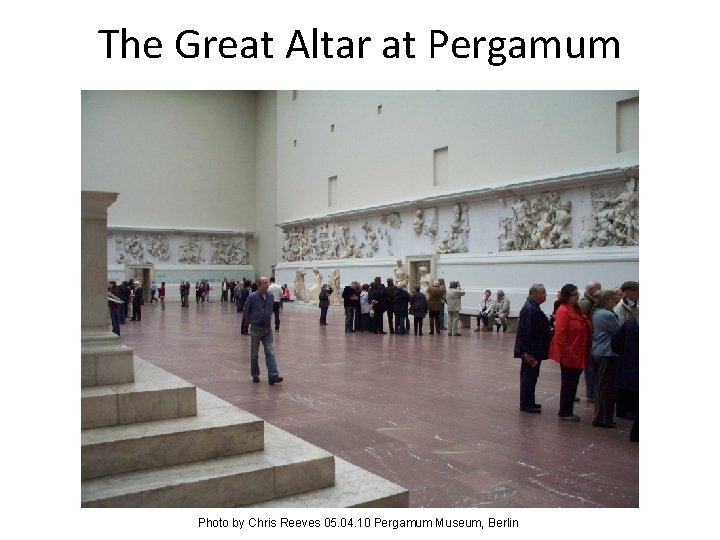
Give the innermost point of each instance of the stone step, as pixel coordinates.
(155, 395)
(354, 488)
(104, 360)
(286, 467)
(218, 430)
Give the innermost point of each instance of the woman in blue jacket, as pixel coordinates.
(605, 360)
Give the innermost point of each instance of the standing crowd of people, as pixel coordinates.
(598, 334)
(125, 302)
(367, 306)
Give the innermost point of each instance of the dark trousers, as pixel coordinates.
(244, 326)
(276, 311)
(590, 379)
(434, 322)
(349, 318)
(323, 315)
(528, 381)
(418, 325)
(377, 320)
(391, 326)
(627, 403)
(224, 296)
(400, 321)
(115, 320)
(364, 322)
(137, 311)
(482, 317)
(606, 368)
(569, 379)
(358, 318)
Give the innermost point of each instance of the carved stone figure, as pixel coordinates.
(134, 247)
(626, 211)
(313, 293)
(323, 241)
(190, 252)
(541, 223)
(299, 286)
(419, 221)
(285, 250)
(505, 237)
(402, 277)
(561, 234)
(615, 217)
(394, 220)
(456, 237)
(424, 280)
(374, 244)
(342, 240)
(159, 247)
(540, 237)
(334, 279)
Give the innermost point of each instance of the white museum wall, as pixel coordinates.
(267, 238)
(492, 138)
(178, 159)
(196, 164)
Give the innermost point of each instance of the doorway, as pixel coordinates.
(145, 273)
(415, 262)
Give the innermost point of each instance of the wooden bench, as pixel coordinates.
(468, 319)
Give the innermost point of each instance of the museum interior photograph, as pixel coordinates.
(423, 299)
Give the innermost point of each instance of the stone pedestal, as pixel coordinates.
(104, 359)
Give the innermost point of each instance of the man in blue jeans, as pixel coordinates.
(258, 311)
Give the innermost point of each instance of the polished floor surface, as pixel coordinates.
(436, 414)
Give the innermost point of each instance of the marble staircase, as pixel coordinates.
(161, 442)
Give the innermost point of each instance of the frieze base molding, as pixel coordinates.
(512, 271)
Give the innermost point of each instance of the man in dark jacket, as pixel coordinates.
(137, 301)
(401, 299)
(257, 311)
(324, 303)
(349, 296)
(389, 303)
(532, 341)
(124, 295)
(376, 297)
(626, 343)
(244, 295)
(418, 308)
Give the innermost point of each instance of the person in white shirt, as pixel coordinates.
(486, 305)
(276, 292)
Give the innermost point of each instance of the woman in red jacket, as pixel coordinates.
(569, 347)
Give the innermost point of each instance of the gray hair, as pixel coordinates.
(593, 286)
(536, 288)
(602, 297)
(501, 292)
(436, 283)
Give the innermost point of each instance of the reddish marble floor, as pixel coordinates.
(436, 414)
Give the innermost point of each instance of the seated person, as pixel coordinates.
(500, 311)
(485, 306)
